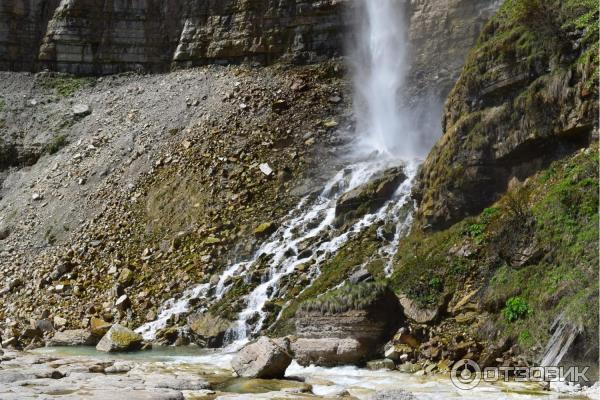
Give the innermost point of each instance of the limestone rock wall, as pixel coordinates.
(22, 26)
(108, 36)
(441, 33)
(102, 37)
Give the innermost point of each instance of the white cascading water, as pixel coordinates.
(384, 133)
(380, 64)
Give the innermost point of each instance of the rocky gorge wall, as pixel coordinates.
(92, 37)
(526, 97)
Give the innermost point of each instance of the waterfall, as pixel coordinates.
(380, 63)
(385, 138)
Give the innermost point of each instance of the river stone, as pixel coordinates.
(393, 394)
(180, 382)
(263, 359)
(246, 386)
(73, 337)
(149, 394)
(385, 363)
(329, 352)
(119, 338)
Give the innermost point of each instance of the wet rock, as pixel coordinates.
(360, 325)
(264, 358)
(119, 339)
(393, 394)
(210, 330)
(385, 363)
(402, 347)
(369, 197)
(265, 229)
(266, 388)
(74, 337)
(184, 382)
(362, 275)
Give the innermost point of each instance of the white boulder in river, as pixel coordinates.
(265, 359)
(118, 338)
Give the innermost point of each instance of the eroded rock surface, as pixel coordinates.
(265, 358)
(347, 326)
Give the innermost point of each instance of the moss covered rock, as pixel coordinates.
(527, 96)
(119, 339)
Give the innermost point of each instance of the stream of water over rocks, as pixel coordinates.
(192, 373)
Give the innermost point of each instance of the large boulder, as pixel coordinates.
(265, 358)
(369, 197)
(208, 329)
(346, 326)
(329, 352)
(73, 337)
(118, 339)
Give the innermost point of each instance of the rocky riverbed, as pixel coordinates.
(191, 373)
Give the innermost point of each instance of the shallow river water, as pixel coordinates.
(351, 382)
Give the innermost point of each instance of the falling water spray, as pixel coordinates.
(380, 63)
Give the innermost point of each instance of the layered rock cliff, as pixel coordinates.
(91, 37)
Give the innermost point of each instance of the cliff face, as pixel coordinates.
(526, 96)
(92, 37)
(441, 34)
(22, 26)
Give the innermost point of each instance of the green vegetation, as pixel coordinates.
(333, 272)
(556, 214)
(525, 339)
(57, 143)
(65, 85)
(2, 104)
(516, 308)
(345, 298)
